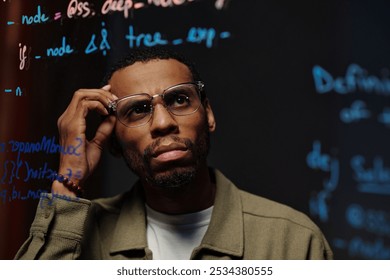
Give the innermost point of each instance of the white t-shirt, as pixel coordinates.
(173, 237)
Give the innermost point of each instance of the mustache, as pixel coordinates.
(151, 148)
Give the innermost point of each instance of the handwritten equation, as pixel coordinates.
(369, 176)
(22, 170)
(85, 9)
(356, 79)
(47, 145)
(14, 194)
(101, 40)
(366, 219)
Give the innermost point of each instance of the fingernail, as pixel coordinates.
(106, 87)
(115, 97)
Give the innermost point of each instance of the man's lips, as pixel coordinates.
(170, 152)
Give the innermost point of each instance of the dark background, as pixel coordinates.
(277, 136)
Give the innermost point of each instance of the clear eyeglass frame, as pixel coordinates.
(114, 107)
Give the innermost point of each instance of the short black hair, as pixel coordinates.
(147, 54)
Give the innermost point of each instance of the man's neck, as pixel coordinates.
(194, 197)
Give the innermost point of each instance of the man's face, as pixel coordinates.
(168, 150)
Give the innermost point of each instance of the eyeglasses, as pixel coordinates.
(137, 109)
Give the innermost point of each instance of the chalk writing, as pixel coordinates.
(84, 9)
(324, 162)
(144, 39)
(57, 16)
(12, 170)
(196, 35)
(7, 196)
(79, 9)
(18, 91)
(60, 51)
(219, 4)
(2, 147)
(316, 160)
(374, 180)
(42, 172)
(24, 57)
(359, 248)
(356, 79)
(104, 45)
(55, 196)
(22, 170)
(374, 221)
(224, 35)
(70, 174)
(39, 17)
(17, 194)
(368, 250)
(199, 35)
(355, 113)
(120, 6)
(46, 145)
(168, 3)
(384, 117)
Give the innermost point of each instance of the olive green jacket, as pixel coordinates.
(242, 226)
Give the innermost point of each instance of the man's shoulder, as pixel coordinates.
(258, 208)
(262, 208)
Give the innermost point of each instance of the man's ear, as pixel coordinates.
(210, 115)
(114, 146)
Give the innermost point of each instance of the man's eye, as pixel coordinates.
(181, 99)
(138, 110)
(177, 99)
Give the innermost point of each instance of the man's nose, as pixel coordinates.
(163, 122)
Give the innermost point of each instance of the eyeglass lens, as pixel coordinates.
(137, 109)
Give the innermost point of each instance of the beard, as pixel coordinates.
(171, 175)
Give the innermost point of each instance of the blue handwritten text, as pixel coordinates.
(39, 17)
(318, 161)
(355, 113)
(60, 51)
(374, 180)
(356, 79)
(371, 220)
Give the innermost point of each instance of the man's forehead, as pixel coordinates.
(156, 74)
(157, 67)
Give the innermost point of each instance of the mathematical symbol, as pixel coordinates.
(7, 90)
(57, 15)
(177, 41)
(10, 22)
(224, 35)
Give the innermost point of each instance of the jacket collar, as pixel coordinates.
(130, 229)
(225, 233)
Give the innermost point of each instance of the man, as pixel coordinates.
(159, 119)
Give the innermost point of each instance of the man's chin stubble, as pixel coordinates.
(173, 179)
